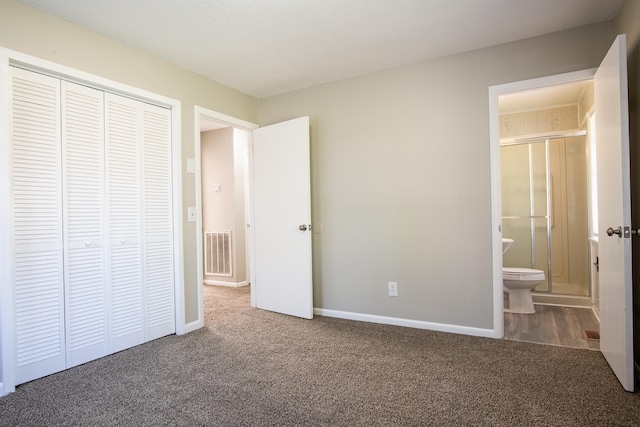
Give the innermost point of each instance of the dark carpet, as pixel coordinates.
(250, 367)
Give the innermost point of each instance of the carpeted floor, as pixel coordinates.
(255, 368)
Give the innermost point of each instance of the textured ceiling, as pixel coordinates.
(266, 47)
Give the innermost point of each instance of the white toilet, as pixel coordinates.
(518, 283)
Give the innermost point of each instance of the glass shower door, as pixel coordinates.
(525, 198)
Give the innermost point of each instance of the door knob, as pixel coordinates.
(303, 227)
(611, 231)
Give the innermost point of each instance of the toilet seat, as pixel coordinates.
(523, 274)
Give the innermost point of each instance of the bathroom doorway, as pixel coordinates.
(546, 188)
(613, 269)
(545, 182)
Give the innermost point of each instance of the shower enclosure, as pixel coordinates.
(545, 210)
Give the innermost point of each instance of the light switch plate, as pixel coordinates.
(191, 214)
(191, 165)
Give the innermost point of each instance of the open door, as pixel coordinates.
(614, 212)
(282, 218)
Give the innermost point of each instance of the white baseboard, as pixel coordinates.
(418, 324)
(4, 392)
(228, 284)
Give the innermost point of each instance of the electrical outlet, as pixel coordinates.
(393, 289)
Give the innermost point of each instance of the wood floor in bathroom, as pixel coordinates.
(555, 325)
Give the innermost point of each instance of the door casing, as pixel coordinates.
(235, 123)
(496, 191)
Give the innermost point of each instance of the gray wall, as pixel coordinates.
(401, 176)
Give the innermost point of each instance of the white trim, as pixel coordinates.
(496, 197)
(178, 237)
(418, 324)
(200, 112)
(227, 284)
(10, 57)
(7, 315)
(193, 326)
(199, 250)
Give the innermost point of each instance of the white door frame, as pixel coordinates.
(496, 189)
(10, 57)
(235, 123)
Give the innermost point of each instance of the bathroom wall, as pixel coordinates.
(586, 105)
(538, 121)
(569, 231)
(223, 196)
(401, 177)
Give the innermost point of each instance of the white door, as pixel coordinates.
(124, 199)
(83, 222)
(36, 226)
(157, 230)
(614, 211)
(282, 218)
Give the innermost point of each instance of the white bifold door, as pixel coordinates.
(91, 224)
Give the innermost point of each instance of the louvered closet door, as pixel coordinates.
(84, 222)
(124, 198)
(157, 222)
(36, 208)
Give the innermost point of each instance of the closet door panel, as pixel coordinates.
(123, 150)
(158, 223)
(84, 225)
(36, 209)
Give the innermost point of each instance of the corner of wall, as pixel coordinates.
(628, 22)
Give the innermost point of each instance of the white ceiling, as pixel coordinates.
(267, 47)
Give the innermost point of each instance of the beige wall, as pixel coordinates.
(401, 176)
(27, 30)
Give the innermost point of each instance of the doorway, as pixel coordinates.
(221, 166)
(279, 192)
(224, 171)
(544, 154)
(527, 126)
